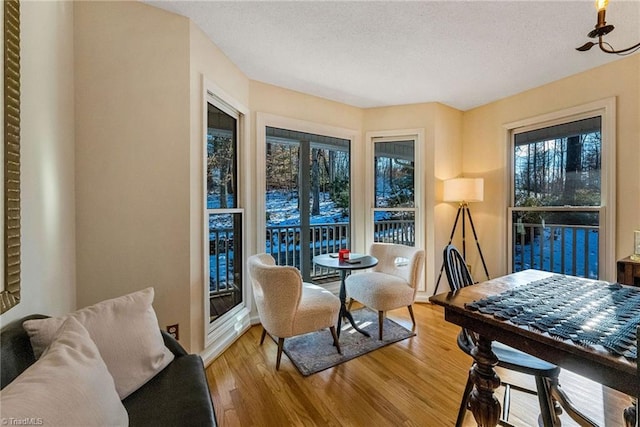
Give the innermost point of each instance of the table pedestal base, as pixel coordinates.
(482, 402)
(347, 314)
(344, 312)
(630, 416)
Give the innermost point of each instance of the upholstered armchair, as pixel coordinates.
(392, 283)
(286, 305)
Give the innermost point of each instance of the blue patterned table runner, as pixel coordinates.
(570, 308)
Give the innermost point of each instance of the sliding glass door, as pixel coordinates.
(307, 199)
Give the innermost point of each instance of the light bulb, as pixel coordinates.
(601, 4)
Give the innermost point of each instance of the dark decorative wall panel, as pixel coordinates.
(10, 294)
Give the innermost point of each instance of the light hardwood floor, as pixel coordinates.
(416, 382)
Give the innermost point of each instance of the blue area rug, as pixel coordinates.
(314, 352)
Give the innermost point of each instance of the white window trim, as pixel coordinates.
(264, 120)
(423, 156)
(606, 108)
(225, 330)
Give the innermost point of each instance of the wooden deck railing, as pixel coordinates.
(283, 242)
(566, 249)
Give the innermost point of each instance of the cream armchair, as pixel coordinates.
(392, 283)
(287, 306)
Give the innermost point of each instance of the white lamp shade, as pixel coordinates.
(463, 190)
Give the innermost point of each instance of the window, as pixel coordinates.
(223, 230)
(559, 193)
(398, 197)
(225, 219)
(394, 205)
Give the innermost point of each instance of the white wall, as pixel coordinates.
(132, 151)
(47, 150)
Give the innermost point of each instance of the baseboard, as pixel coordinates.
(224, 336)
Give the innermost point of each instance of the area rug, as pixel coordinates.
(314, 352)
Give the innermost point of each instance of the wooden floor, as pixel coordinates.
(415, 382)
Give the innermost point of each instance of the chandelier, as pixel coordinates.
(602, 29)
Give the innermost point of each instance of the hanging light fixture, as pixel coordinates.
(602, 29)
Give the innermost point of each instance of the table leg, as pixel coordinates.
(482, 402)
(343, 307)
(630, 417)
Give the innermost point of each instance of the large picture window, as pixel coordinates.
(560, 189)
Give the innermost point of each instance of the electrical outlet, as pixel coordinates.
(174, 331)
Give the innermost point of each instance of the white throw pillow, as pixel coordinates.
(68, 386)
(126, 332)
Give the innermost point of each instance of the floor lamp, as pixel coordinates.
(463, 191)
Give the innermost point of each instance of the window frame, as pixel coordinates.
(219, 334)
(423, 194)
(606, 109)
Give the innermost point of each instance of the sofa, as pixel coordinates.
(177, 395)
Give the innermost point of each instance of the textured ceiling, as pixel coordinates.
(370, 54)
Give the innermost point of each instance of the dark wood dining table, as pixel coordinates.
(594, 362)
